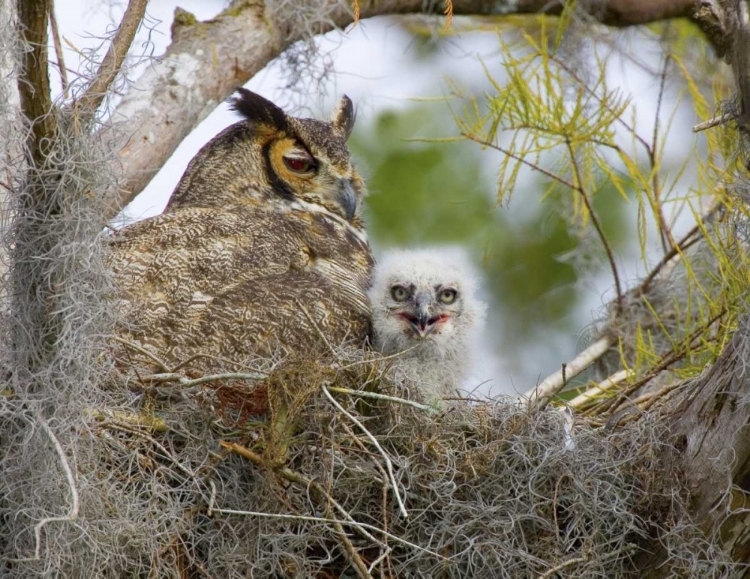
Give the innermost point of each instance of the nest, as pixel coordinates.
(327, 468)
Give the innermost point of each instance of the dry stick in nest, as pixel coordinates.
(305, 482)
(385, 397)
(74, 507)
(388, 463)
(590, 396)
(539, 396)
(188, 382)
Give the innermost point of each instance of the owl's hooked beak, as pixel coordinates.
(348, 199)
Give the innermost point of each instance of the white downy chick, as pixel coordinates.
(424, 301)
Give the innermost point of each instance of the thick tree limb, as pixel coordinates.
(727, 25)
(207, 60)
(33, 85)
(711, 434)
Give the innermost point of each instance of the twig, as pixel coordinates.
(388, 464)
(606, 384)
(74, 507)
(132, 345)
(136, 420)
(212, 499)
(187, 382)
(596, 223)
(602, 102)
(58, 51)
(110, 66)
(550, 572)
(667, 239)
(711, 123)
(539, 396)
(521, 160)
(384, 479)
(350, 551)
(376, 396)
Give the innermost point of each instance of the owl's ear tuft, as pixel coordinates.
(344, 117)
(255, 108)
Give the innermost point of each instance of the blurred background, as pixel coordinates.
(546, 284)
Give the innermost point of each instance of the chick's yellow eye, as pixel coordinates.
(399, 293)
(448, 296)
(300, 164)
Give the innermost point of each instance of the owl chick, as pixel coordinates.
(424, 304)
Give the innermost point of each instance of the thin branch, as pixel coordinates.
(540, 395)
(550, 572)
(187, 382)
(711, 123)
(75, 504)
(597, 224)
(666, 237)
(90, 100)
(59, 51)
(350, 552)
(529, 164)
(305, 482)
(385, 397)
(673, 356)
(618, 118)
(388, 464)
(132, 345)
(592, 393)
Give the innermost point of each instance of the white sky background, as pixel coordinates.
(374, 65)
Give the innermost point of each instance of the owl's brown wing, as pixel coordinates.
(242, 281)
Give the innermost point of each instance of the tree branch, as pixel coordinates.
(208, 60)
(33, 84)
(110, 66)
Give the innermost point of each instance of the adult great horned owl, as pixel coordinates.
(424, 305)
(261, 248)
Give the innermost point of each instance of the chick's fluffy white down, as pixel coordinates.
(437, 359)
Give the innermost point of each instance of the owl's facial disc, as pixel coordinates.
(310, 175)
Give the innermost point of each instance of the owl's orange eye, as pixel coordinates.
(300, 164)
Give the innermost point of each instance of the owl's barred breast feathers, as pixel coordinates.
(261, 238)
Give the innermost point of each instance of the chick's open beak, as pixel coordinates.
(423, 323)
(423, 315)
